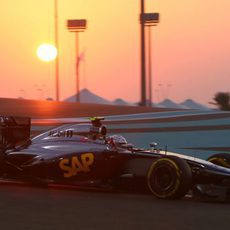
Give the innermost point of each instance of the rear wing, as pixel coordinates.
(13, 130)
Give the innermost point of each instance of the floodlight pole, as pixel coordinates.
(143, 77)
(149, 19)
(77, 68)
(76, 26)
(57, 47)
(150, 66)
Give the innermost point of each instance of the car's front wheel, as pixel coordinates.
(169, 178)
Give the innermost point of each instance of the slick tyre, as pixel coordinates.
(221, 159)
(169, 178)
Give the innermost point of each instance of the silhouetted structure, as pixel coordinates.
(143, 81)
(146, 19)
(77, 26)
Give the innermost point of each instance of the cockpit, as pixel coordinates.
(83, 131)
(86, 130)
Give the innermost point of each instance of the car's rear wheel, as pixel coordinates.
(169, 178)
(221, 159)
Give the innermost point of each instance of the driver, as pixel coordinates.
(118, 140)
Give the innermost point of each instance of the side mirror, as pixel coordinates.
(128, 146)
(153, 144)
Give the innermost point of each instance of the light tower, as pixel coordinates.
(77, 25)
(143, 80)
(57, 47)
(151, 19)
(146, 19)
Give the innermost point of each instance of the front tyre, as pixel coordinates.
(169, 178)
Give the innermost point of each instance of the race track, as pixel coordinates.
(28, 208)
(23, 207)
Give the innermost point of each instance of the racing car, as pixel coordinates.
(84, 154)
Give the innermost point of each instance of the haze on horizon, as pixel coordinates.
(190, 49)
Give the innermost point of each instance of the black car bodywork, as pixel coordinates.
(84, 154)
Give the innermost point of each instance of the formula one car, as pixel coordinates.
(84, 154)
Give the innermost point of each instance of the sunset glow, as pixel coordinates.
(47, 52)
(190, 48)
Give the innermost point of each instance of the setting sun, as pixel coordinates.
(47, 52)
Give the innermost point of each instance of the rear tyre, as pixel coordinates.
(169, 178)
(221, 159)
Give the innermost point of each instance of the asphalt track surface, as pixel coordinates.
(24, 207)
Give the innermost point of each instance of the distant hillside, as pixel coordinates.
(187, 104)
(167, 103)
(87, 96)
(120, 101)
(190, 104)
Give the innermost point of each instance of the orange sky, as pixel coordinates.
(190, 48)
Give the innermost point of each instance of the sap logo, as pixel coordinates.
(73, 166)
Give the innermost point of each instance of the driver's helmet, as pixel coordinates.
(118, 140)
